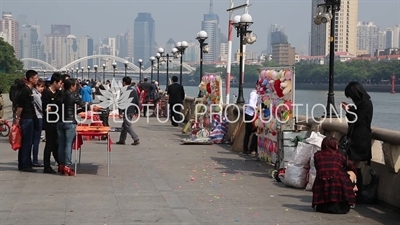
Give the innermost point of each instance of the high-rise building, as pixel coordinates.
(169, 45)
(144, 44)
(86, 48)
(283, 54)
(124, 46)
(10, 31)
(345, 29)
(30, 46)
(393, 37)
(61, 30)
(223, 52)
(192, 53)
(382, 40)
(210, 24)
(367, 37)
(275, 32)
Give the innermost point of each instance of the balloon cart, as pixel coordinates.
(277, 116)
(200, 125)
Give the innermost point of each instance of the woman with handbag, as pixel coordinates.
(359, 116)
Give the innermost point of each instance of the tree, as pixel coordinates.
(8, 62)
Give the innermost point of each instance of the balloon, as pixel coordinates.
(288, 75)
(262, 73)
(211, 78)
(264, 83)
(208, 87)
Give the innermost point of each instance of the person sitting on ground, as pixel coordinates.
(333, 189)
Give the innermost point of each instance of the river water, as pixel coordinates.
(386, 105)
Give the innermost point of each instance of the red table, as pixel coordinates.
(90, 131)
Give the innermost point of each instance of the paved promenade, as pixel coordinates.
(161, 182)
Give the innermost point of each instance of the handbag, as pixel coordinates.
(344, 142)
(15, 138)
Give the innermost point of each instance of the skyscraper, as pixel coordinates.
(144, 43)
(367, 37)
(10, 31)
(30, 46)
(86, 48)
(210, 24)
(345, 29)
(275, 32)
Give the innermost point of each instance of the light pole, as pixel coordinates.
(44, 74)
(140, 61)
(181, 46)
(152, 59)
(95, 72)
(77, 72)
(242, 23)
(326, 12)
(104, 73)
(72, 72)
(114, 65)
(126, 67)
(82, 71)
(201, 37)
(173, 54)
(88, 72)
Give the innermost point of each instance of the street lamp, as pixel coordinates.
(44, 74)
(95, 72)
(114, 65)
(72, 72)
(126, 67)
(104, 73)
(140, 61)
(201, 37)
(158, 56)
(88, 71)
(242, 23)
(77, 72)
(152, 59)
(326, 12)
(181, 46)
(82, 71)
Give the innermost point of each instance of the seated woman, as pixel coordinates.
(333, 190)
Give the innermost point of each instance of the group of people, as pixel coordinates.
(53, 106)
(338, 184)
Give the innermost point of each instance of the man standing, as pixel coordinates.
(26, 117)
(176, 95)
(249, 114)
(128, 114)
(147, 88)
(50, 96)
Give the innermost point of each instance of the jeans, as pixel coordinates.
(66, 135)
(127, 127)
(51, 144)
(248, 131)
(24, 153)
(36, 141)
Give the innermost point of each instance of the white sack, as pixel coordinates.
(295, 176)
(303, 154)
(312, 173)
(315, 139)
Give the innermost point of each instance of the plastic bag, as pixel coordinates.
(15, 137)
(315, 139)
(303, 154)
(295, 176)
(312, 173)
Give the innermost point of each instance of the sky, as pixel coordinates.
(181, 19)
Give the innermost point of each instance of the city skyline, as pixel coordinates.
(296, 29)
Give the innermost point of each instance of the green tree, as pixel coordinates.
(8, 62)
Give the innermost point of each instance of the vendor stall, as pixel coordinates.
(207, 110)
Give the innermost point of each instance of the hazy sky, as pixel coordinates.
(181, 19)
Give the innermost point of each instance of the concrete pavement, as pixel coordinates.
(161, 182)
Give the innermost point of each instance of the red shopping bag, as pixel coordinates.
(15, 137)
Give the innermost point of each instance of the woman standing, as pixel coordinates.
(66, 128)
(359, 129)
(37, 102)
(333, 190)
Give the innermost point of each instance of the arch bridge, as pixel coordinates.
(188, 69)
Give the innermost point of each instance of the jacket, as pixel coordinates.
(176, 94)
(69, 105)
(133, 108)
(360, 135)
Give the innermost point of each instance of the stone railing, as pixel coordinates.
(385, 147)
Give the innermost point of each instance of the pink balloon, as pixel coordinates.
(288, 75)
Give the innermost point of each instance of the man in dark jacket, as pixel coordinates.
(176, 95)
(128, 114)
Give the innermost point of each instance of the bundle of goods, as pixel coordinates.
(219, 129)
(301, 172)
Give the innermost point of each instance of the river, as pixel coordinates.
(386, 105)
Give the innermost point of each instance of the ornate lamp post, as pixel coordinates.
(201, 37)
(158, 56)
(181, 46)
(114, 65)
(242, 23)
(104, 73)
(95, 72)
(77, 72)
(326, 12)
(88, 72)
(82, 72)
(152, 59)
(44, 74)
(140, 61)
(72, 72)
(126, 67)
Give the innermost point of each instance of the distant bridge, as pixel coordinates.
(132, 67)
